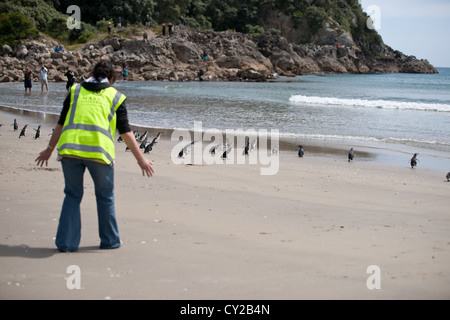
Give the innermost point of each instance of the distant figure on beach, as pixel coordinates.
(413, 161)
(170, 29)
(448, 176)
(22, 132)
(200, 74)
(15, 125)
(351, 155)
(124, 70)
(204, 56)
(84, 138)
(43, 71)
(301, 151)
(70, 79)
(28, 79)
(59, 48)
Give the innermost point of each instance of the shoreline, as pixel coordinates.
(196, 232)
(384, 153)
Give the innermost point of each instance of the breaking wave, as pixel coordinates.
(362, 103)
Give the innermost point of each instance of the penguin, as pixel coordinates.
(16, 126)
(225, 154)
(143, 143)
(301, 151)
(142, 137)
(185, 150)
(351, 155)
(22, 132)
(214, 149)
(38, 133)
(448, 177)
(413, 161)
(247, 147)
(156, 139)
(149, 147)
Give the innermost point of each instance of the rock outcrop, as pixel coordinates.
(231, 57)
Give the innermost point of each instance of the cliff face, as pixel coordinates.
(231, 56)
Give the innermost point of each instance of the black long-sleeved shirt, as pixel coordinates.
(122, 125)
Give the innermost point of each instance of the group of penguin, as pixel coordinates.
(147, 147)
(142, 140)
(351, 155)
(24, 129)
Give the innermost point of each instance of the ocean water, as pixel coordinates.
(381, 114)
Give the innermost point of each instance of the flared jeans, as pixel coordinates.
(68, 235)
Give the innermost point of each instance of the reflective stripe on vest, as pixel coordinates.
(87, 150)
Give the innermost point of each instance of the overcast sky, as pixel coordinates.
(415, 27)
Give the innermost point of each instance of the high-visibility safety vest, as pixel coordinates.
(90, 124)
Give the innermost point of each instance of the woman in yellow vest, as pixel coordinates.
(92, 112)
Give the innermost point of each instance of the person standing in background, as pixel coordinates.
(43, 76)
(70, 79)
(28, 79)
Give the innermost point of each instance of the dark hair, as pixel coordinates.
(103, 69)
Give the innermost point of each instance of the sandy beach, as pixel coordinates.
(201, 232)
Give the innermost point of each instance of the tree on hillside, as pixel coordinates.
(15, 26)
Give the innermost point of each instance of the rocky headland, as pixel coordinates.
(231, 57)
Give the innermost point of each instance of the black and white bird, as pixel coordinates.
(156, 139)
(351, 155)
(301, 151)
(414, 160)
(185, 150)
(22, 132)
(38, 133)
(142, 137)
(448, 176)
(247, 147)
(143, 143)
(215, 148)
(225, 153)
(149, 147)
(16, 126)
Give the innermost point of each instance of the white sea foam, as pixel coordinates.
(362, 103)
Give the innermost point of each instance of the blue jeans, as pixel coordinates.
(69, 229)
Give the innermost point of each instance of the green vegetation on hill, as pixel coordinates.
(247, 16)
